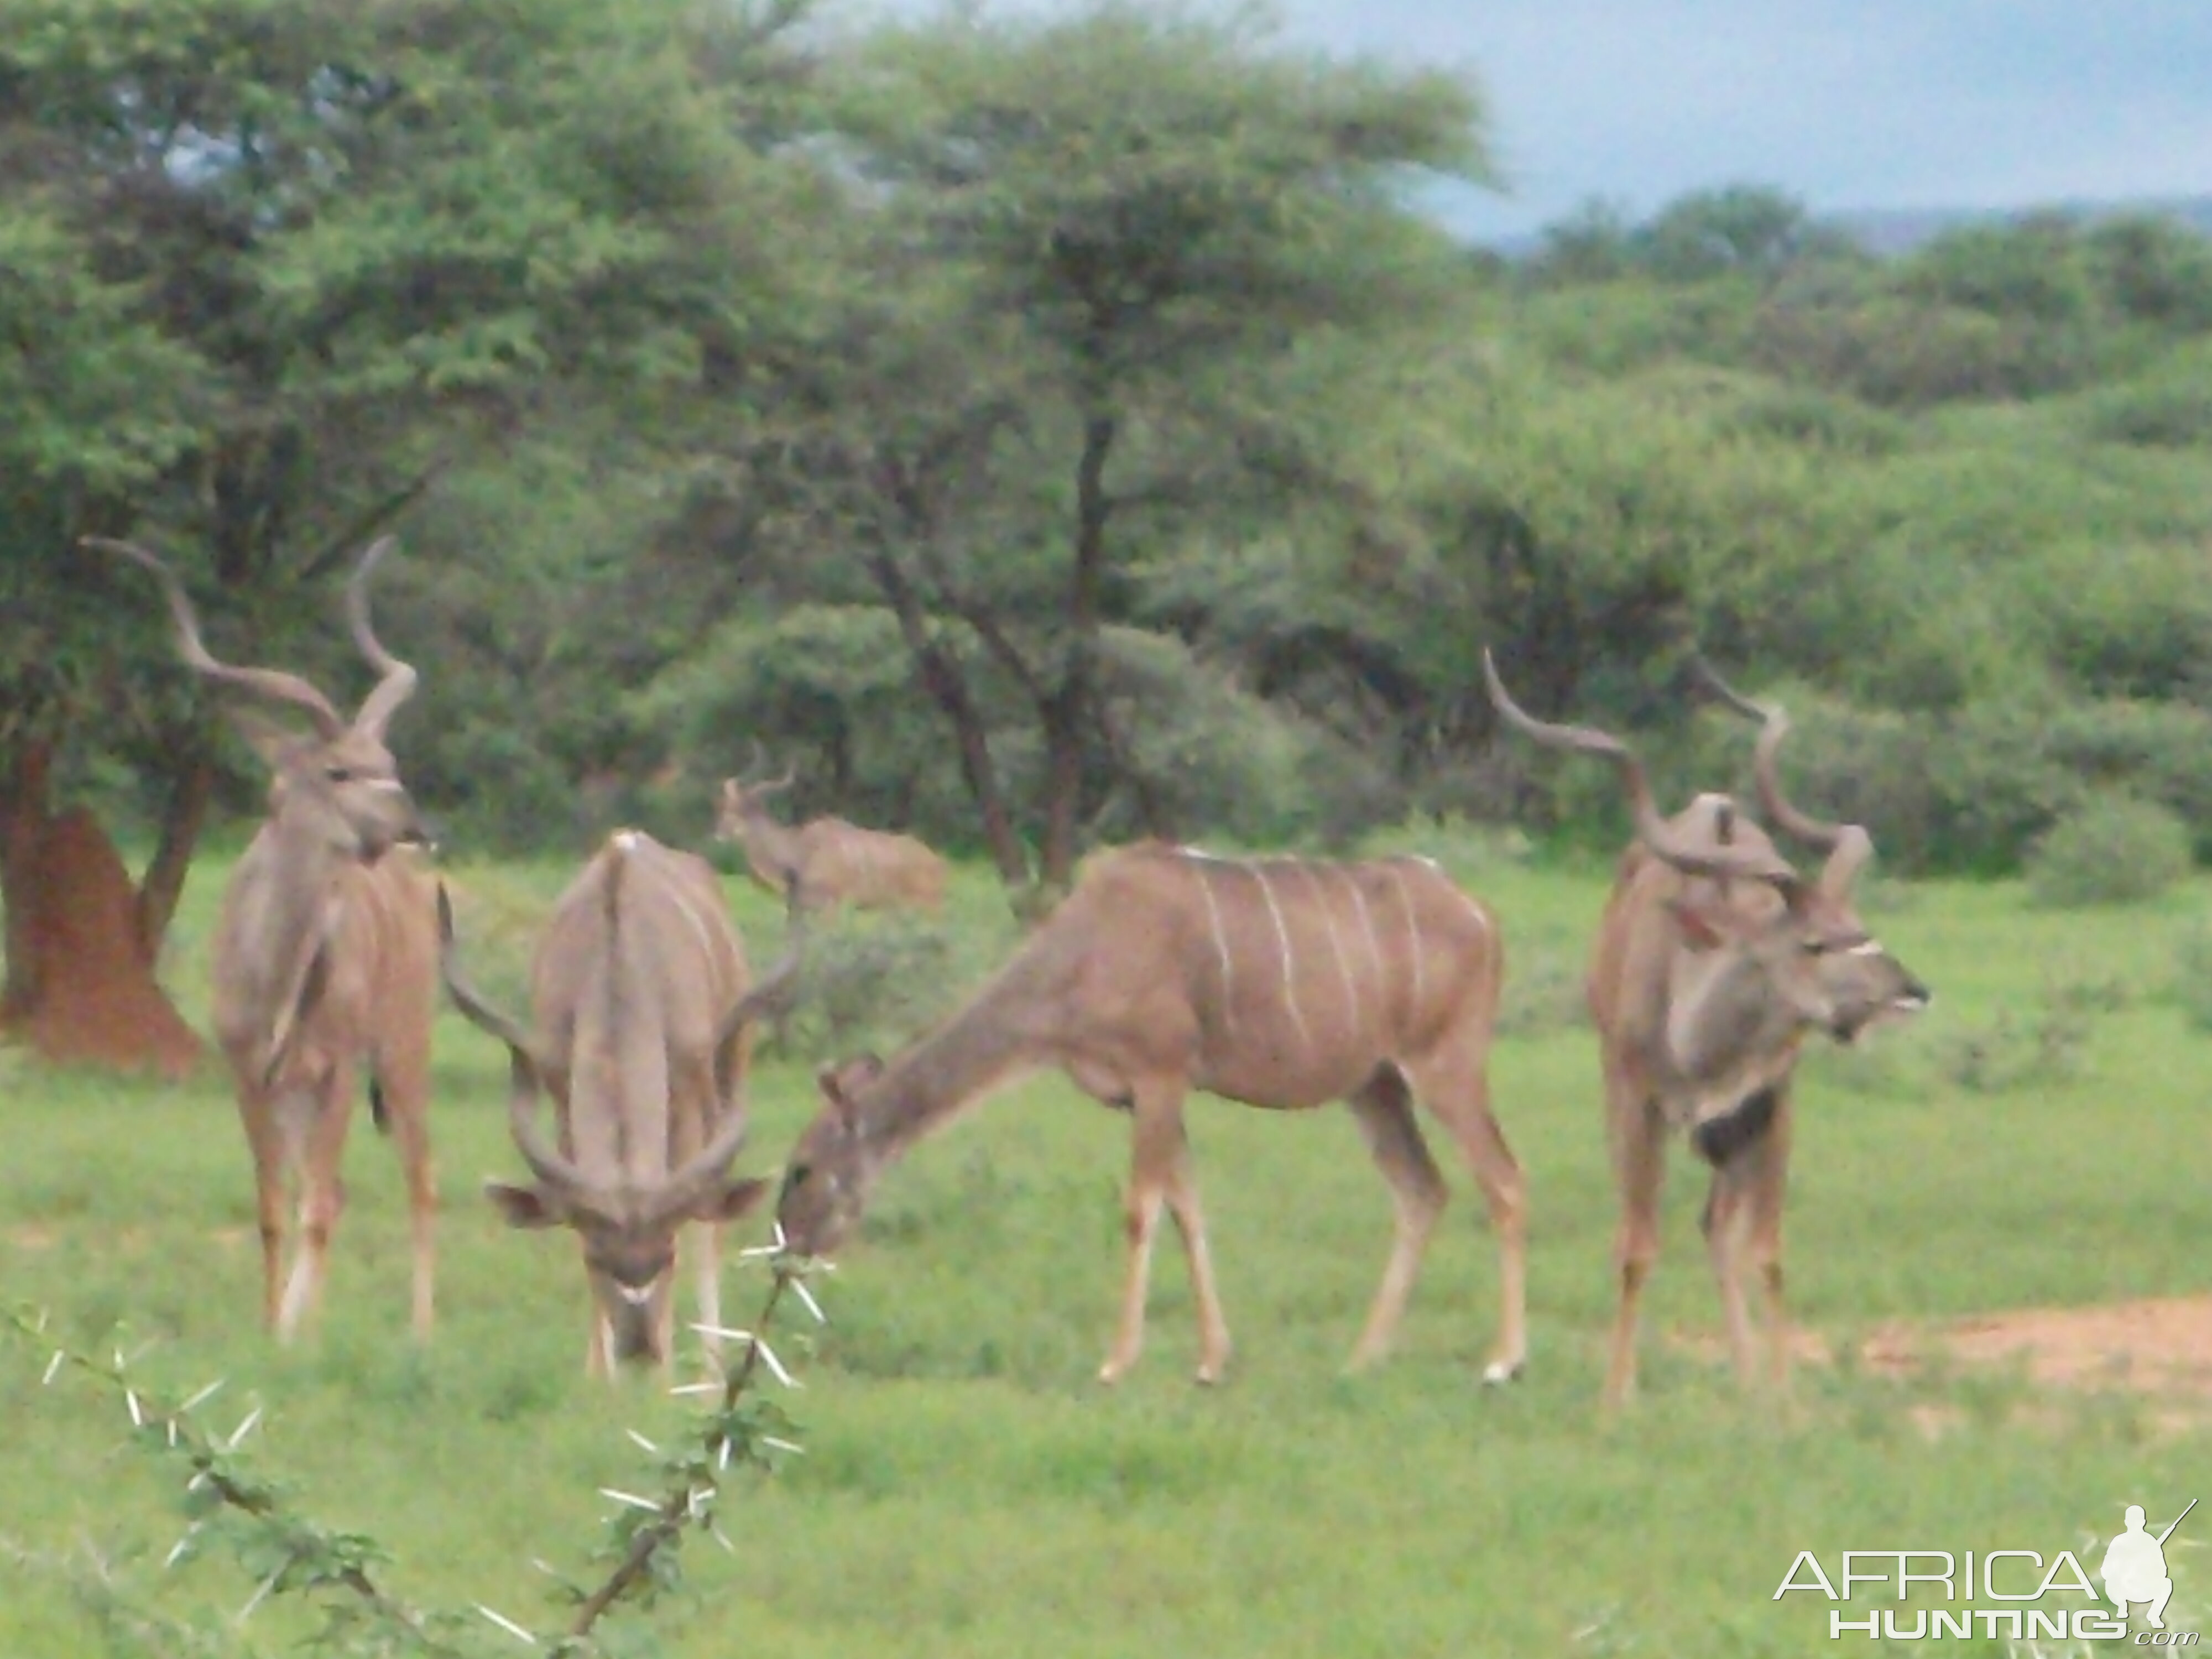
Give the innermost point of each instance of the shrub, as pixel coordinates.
(2112, 849)
(2192, 973)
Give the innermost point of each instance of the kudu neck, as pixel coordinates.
(985, 1044)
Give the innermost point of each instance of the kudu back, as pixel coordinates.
(642, 1009)
(325, 953)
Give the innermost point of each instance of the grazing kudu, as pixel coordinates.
(325, 956)
(1713, 959)
(827, 860)
(638, 989)
(1279, 982)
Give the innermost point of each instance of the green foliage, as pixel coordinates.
(2112, 849)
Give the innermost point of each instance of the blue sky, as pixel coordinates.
(1846, 104)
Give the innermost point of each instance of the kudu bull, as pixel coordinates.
(639, 991)
(1282, 983)
(1713, 959)
(324, 954)
(827, 860)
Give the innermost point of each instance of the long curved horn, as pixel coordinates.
(759, 763)
(399, 682)
(770, 997)
(1847, 845)
(524, 1068)
(1720, 863)
(272, 683)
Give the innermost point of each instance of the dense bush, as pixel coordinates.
(2112, 849)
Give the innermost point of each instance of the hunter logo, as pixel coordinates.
(2020, 1595)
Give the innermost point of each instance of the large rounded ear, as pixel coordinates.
(840, 1082)
(728, 1202)
(274, 741)
(530, 1207)
(1703, 926)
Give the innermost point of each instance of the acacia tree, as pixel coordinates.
(269, 265)
(1099, 244)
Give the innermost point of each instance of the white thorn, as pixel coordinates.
(722, 1454)
(545, 1567)
(695, 1387)
(243, 1430)
(776, 1365)
(799, 1289)
(170, 1423)
(197, 1481)
(53, 1369)
(202, 1396)
(631, 1498)
(183, 1544)
(723, 1539)
(642, 1441)
(267, 1584)
(137, 1417)
(508, 1625)
(795, 1449)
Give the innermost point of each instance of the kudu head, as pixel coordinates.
(831, 1171)
(337, 784)
(628, 1233)
(1778, 950)
(743, 803)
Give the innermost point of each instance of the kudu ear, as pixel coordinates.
(527, 1208)
(274, 741)
(729, 1202)
(841, 1082)
(1703, 926)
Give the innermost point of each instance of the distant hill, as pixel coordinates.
(1881, 231)
(1900, 230)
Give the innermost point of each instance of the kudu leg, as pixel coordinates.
(264, 1139)
(1384, 1109)
(1454, 1085)
(1638, 1159)
(1767, 1181)
(322, 1197)
(406, 1095)
(1160, 1175)
(1726, 1219)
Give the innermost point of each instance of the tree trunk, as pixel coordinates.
(24, 810)
(80, 988)
(1067, 711)
(191, 790)
(942, 677)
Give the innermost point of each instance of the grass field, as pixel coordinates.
(968, 1490)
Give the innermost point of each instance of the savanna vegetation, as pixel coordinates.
(1045, 431)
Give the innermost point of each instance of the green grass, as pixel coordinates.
(968, 1490)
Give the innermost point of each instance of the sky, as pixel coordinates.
(1844, 104)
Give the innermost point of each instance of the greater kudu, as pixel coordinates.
(324, 954)
(828, 860)
(639, 993)
(1279, 982)
(1713, 959)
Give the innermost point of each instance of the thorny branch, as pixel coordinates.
(289, 1554)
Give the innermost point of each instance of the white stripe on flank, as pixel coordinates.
(1871, 947)
(1413, 942)
(1221, 950)
(1374, 944)
(1290, 968)
(1335, 945)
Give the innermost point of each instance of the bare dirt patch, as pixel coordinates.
(2159, 1345)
